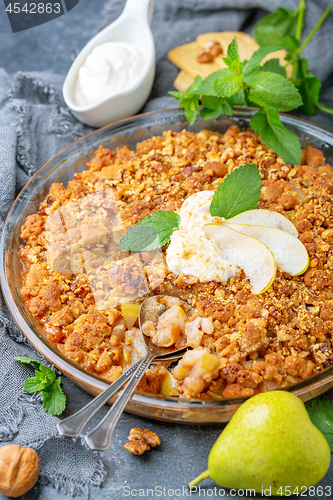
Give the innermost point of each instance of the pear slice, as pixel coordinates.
(250, 254)
(290, 254)
(265, 218)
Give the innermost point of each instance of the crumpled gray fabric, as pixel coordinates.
(65, 464)
(34, 125)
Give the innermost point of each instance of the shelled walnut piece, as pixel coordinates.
(19, 470)
(208, 54)
(141, 441)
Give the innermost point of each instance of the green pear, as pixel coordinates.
(270, 442)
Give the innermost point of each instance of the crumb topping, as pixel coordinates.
(71, 260)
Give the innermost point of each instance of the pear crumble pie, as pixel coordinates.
(85, 291)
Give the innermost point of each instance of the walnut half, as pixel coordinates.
(19, 470)
(141, 441)
(212, 50)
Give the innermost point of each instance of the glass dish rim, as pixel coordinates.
(51, 353)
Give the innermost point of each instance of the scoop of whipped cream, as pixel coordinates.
(110, 68)
(189, 251)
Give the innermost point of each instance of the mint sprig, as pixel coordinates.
(245, 82)
(213, 106)
(239, 192)
(285, 27)
(152, 232)
(266, 86)
(54, 400)
(321, 414)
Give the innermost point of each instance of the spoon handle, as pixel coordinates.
(74, 425)
(140, 8)
(100, 437)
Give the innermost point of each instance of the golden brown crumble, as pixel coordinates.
(141, 441)
(75, 276)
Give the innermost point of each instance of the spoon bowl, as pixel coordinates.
(150, 310)
(100, 437)
(133, 27)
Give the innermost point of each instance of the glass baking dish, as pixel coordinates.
(61, 168)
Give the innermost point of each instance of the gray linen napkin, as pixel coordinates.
(34, 125)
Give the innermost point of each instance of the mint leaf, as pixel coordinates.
(228, 85)
(253, 65)
(54, 400)
(290, 42)
(197, 82)
(273, 91)
(154, 231)
(213, 107)
(46, 372)
(320, 411)
(28, 361)
(275, 27)
(38, 366)
(232, 59)
(191, 108)
(237, 99)
(207, 85)
(24, 360)
(272, 132)
(139, 239)
(177, 95)
(309, 87)
(240, 191)
(165, 222)
(273, 66)
(35, 384)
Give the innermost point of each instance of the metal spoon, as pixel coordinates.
(100, 437)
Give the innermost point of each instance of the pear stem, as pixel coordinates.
(201, 477)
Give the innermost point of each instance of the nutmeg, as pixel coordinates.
(19, 470)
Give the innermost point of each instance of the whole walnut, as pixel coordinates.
(19, 470)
